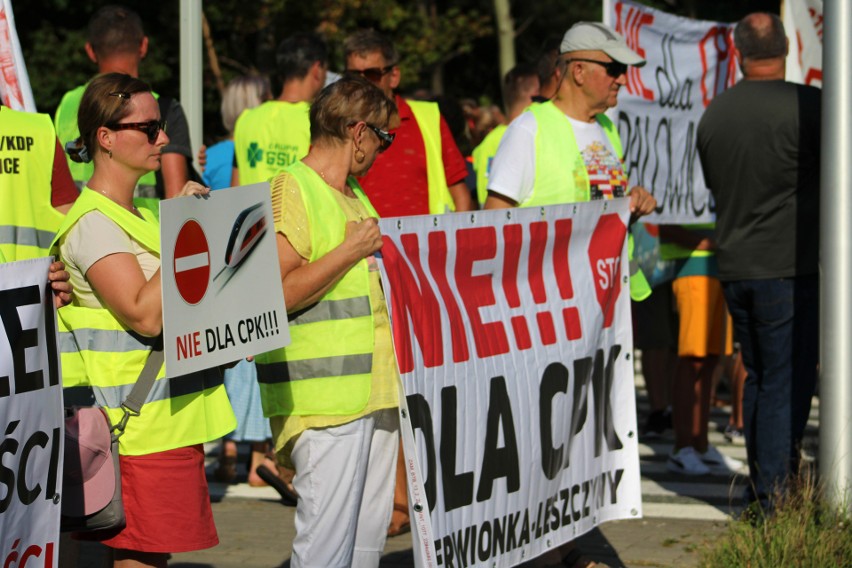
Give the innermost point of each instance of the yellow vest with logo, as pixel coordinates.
(65, 122)
(270, 137)
(428, 117)
(561, 176)
(327, 368)
(482, 156)
(27, 219)
(100, 352)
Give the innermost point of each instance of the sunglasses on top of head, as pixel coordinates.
(372, 74)
(151, 128)
(613, 68)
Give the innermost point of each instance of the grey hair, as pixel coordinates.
(243, 92)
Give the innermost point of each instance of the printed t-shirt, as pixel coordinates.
(293, 224)
(513, 168)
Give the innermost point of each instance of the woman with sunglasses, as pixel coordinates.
(332, 394)
(112, 251)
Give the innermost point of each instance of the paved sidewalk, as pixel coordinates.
(257, 533)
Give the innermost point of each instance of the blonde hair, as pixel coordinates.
(243, 92)
(346, 101)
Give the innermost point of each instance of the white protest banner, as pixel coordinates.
(513, 339)
(222, 295)
(689, 63)
(803, 24)
(15, 90)
(31, 417)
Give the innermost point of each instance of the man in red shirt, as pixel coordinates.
(423, 171)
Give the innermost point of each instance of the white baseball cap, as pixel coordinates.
(593, 36)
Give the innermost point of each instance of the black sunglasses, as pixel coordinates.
(385, 138)
(613, 68)
(372, 74)
(151, 128)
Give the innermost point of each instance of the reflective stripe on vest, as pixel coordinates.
(113, 340)
(26, 236)
(318, 368)
(327, 310)
(163, 389)
(327, 368)
(100, 352)
(270, 137)
(27, 219)
(428, 117)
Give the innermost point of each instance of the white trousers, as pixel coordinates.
(345, 480)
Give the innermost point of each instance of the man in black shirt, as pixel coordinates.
(759, 145)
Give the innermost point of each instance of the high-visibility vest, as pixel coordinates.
(67, 130)
(100, 352)
(428, 117)
(482, 157)
(673, 251)
(561, 176)
(270, 137)
(327, 368)
(27, 219)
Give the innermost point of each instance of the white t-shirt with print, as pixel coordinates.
(513, 169)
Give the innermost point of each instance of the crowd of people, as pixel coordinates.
(321, 416)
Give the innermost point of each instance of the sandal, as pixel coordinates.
(226, 471)
(288, 496)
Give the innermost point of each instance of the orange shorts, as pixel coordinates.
(705, 326)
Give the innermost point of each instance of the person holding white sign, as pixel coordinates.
(112, 251)
(566, 150)
(331, 395)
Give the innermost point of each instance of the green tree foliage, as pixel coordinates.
(447, 43)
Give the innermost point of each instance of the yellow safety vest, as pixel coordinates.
(561, 176)
(270, 137)
(428, 117)
(327, 368)
(482, 157)
(27, 219)
(100, 352)
(67, 130)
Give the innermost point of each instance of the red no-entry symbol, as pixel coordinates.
(192, 262)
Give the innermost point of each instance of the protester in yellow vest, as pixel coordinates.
(276, 134)
(35, 186)
(567, 150)
(520, 86)
(116, 43)
(112, 252)
(424, 172)
(332, 394)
